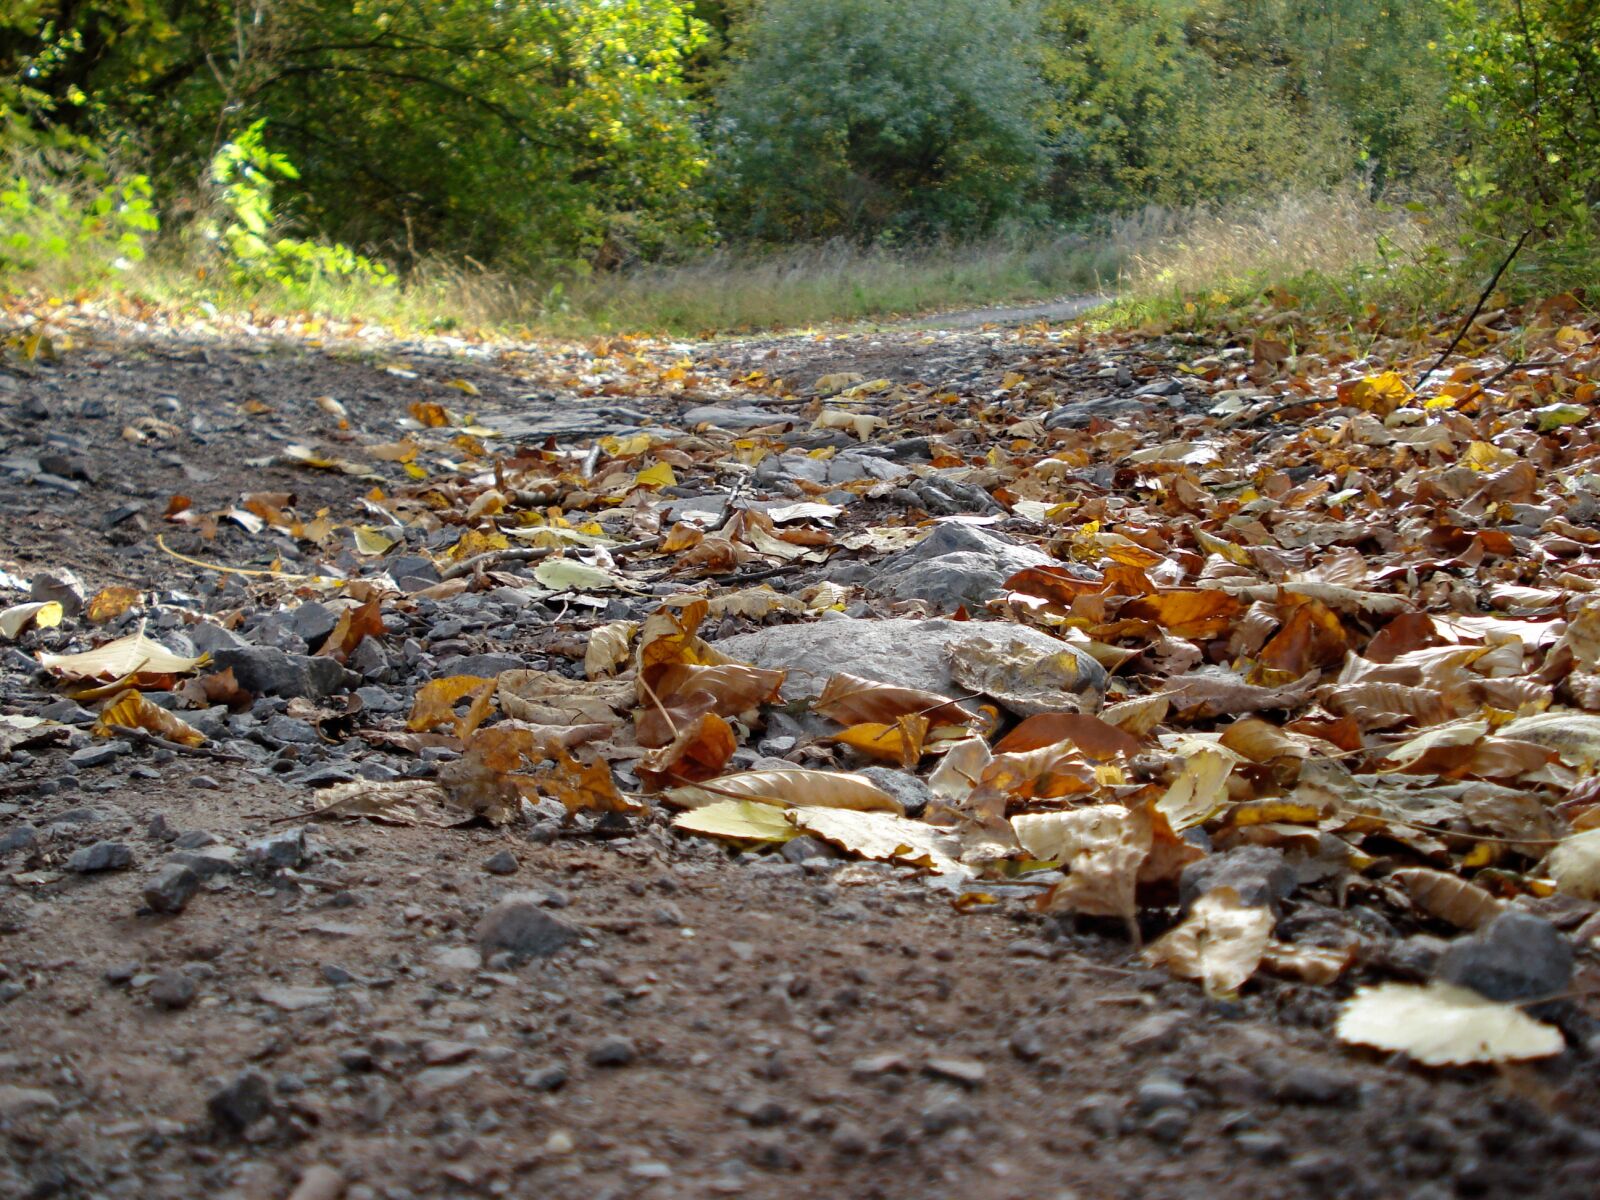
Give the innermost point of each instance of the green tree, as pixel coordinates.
(519, 132)
(871, 118)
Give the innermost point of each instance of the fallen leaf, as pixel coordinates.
(738, 821)
(130, 710)
(850, 700)
(882, 836)
(789, 788)
(1441, 1025)
(131, 655)
(109, 603)
(1220, 942)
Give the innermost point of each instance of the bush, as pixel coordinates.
(882, 119)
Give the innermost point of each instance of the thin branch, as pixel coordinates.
(1476, 309)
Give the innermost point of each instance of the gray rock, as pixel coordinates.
(210, 639)
(545, 1079)
(1168, 1125)
(501, 862)
(18, 837)
(908, 789)
(1077, 414)
(805, 847)
(761, 1111)
(720, 417)
(1516, 956)
(268, 671)
(208, 861)
(1157, 1033)
(99, 754)
(479, 664)
(947, 1110)
(60, 585)
(956, 564)
(1260, 874)
(520, 926)
(286, 730)
(173, 990)
(171, 889)
(102, 856)
(1307, 1083)
(241, 1103)
(847, 466)
(68, 712)
(284, 850)
(312, 622)
(1160, 1090)
(377, 699)
(895, 650)
(1263, 1145)
(613, 1051)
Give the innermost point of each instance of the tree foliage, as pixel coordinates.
(874, 117)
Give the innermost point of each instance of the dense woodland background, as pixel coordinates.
(555, 149)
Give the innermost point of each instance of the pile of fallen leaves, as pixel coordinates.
(1350, 652)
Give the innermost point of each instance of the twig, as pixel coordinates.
(1476, 309)
(1280, 408)
(145, 738)
(470, 566)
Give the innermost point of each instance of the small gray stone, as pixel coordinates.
(102, 856)
(1260, 874)
(805, 847)
(1167, 1125)
(313, 622)
(284, 850)
(268, 671)
(1160, 1090)
(208, 861)
(545, 1079)
(611, 1052)
(956, 564)
(60, 585)
(1263, 1145)
(760, 1111)
(913, 794)
(480, 664)
(501, 862)
(171, 889)
(1308, 1083)
(18, 837)
(520, 926)
(288, 731)
(99, 754)
(948, 1110)
(172, 990)
(1156, 1033)
(241, 1103)
(1516, 956)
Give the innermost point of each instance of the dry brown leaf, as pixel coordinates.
(789, 789)
(1448, 897)
(852, 700)
(674, 695)
(436, 700)
(1186, 612)
(583, 787)
(1104, 846)
(885, 837)
(700, 751)
(546, 698)
(609, 647)
(1095, 738)
(397, 802)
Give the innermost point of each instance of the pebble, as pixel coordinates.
(442, 1053)
(19, 837)
(1516, 956)
(502, 862)
(545, 1079)
(1308, 1083)
(172, 990)
(761, 1111)
(1027, 1043)
(100, 754)
(1156, 1033)
(171, 889)
(1263, 1145)
(521, 927)
(284, 850)
(967, 1072)
(850, 1139)
(611, 1052)
(319, 1183)
(241, 1103)
(102, 856)
(947, 1110)
(1167, 1125)
(1160, 1090)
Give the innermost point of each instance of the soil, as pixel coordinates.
(788, 1028)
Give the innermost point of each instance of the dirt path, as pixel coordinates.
(715, 1023)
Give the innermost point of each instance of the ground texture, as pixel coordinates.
(319, 1021)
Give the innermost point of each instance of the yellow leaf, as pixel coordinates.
(370, 541)
(436, 700)
(1220, 943)
(658, 476)
(462, 385)
(130, 710)
(739, 821)
(788, 788)
(109, 603)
